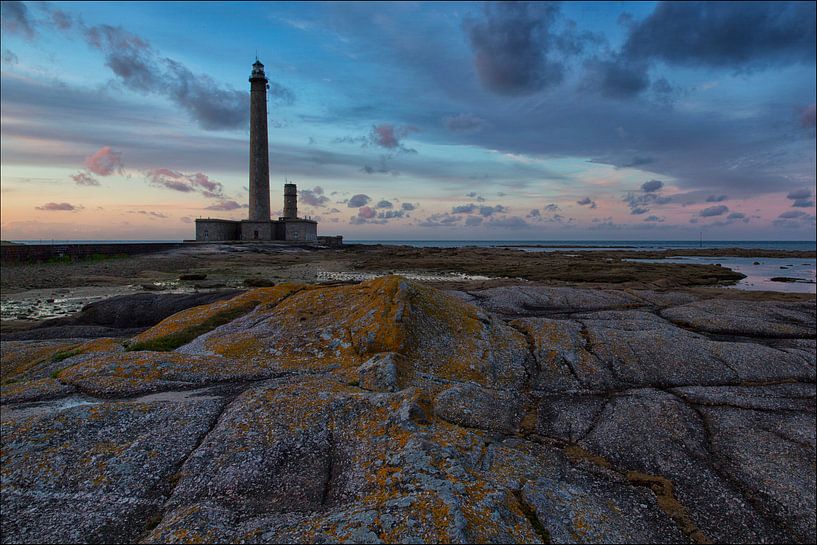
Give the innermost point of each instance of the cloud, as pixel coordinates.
(15, 19)
(104, 162)
(366, 212)
(508, 222)
(636, 162)
(388, 136)
(808, 117)
(795, 219)
(491, 210)
(384, 204)
(735, 216)
(726, 34)
(186, 219)
(313, 197)
(473, 221)
(185, 183)
(801, 197)
(638, 211)
(83, 178)
(145, 70)
(511, 43)
(408, 206)
(713, 211)
(616, 78)
(8, 57)
(652, 186)
(799, 194)
(356, 201)
(654, 219)
(150, 213)
(716, 198)
(463, 123)
(464, 209)
(440, 220)
(226, 205)
(59, 207)
(551, 208)
(586, 201)
(535, 213)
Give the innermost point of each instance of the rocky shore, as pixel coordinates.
(393, 411)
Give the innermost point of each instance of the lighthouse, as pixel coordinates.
(259, 226)
(259, 146)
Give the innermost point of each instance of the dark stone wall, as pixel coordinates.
(21, 253)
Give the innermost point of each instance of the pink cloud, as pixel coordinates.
(58, 207)
(225, 205)
(186, 183)
(366, 212)
(104, 162)
(389, 136)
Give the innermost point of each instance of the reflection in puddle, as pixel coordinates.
(345, 276)
(25, 410)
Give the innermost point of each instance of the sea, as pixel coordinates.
(533, 245)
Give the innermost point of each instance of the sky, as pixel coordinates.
(413, 121)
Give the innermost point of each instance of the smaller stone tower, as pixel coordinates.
(290, 201)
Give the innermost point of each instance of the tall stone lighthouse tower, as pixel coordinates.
(259, 147)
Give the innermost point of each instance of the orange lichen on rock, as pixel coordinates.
(343, 326)
(193, 321)
(17, 357)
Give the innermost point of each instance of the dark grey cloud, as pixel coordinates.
(716, 198)
(464, 209)
(713, 211)
(440, 220)
(725, 34)
(652, 186)
(313, 197)
(551, 208)
(801, 198)
(616, 78)
(795, 219)
(8, 57)
(508, 222)
(83, 178)
(384, 204)
(511, 43)
(799, 194)
(141, 68)
(637, 211)
(225, 205)
(535, 213)
(636, 162)
(586, 201)
(59, 207)
(491, 210)
(356, 201)
(16, 19)
(737, 216)
(407, 206)
(654, 219)
(473, 221)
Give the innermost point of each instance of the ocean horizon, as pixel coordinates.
(542, 245)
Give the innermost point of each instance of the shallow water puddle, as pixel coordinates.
(347, 276)
(759, 271)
